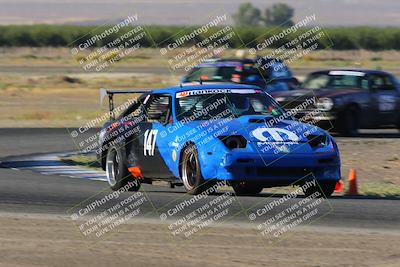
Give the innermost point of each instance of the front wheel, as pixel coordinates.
(190, 171)
(321, 189)
(243, 188)
(117, 172)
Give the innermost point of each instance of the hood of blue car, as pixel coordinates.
(259, 129)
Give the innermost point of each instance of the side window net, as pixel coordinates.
(158, 109)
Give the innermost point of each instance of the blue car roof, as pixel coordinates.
(182, 88)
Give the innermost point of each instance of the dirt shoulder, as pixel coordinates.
(52, 241)
(377, 162)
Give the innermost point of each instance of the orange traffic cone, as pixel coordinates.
(353, 191)
(338, 186)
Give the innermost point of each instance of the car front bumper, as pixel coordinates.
(279, 169)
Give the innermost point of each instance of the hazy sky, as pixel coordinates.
(328, 12)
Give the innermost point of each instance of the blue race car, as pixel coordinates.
(271, 74)
(199, 134)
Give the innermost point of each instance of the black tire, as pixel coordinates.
(243, 189)
(325, 189)
(191, 172)
(350, 122)
(117, 172)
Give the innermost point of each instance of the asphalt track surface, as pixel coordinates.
(28, 192)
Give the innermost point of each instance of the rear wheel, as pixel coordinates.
(190, 171)
(325, 189)
(243, 188)
(117, 172)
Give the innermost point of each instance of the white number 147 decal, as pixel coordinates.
(149, 143)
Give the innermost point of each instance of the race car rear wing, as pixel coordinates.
(112, 92)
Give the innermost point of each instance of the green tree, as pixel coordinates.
(279, 14)
(247, 15)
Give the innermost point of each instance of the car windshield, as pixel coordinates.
(337, 81)
(224, 103)
(210, 74)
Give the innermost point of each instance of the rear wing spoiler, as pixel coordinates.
(112, 92)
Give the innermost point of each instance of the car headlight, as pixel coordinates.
(325, 103)
(233, 141)
(318, 141)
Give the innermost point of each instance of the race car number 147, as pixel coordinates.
(149, 143)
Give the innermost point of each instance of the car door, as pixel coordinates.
(386, 98)
(152, 145)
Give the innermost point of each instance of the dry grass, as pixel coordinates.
(63, 101)
(150, 56)
(69, 99)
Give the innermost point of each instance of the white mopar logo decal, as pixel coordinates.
(275, 134)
